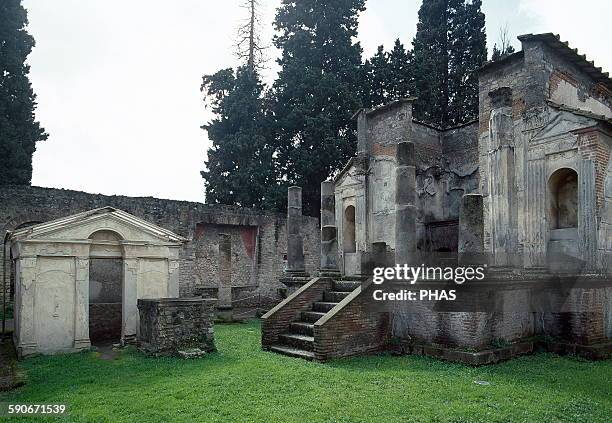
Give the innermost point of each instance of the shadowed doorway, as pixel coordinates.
(105, 288)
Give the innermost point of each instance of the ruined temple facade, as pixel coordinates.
(526, 191)
(539, 155)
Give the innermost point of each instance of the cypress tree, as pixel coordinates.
(378, 78)
(430, 63)
(400, 77)
(449, 47)
(468, 53)
(388, 75)
(19, 130)
(317, 91)
(240, 166)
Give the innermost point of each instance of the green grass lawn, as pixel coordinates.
(241, 383)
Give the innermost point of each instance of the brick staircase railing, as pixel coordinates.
(326, 319)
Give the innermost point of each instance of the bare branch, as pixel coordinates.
(249, 46)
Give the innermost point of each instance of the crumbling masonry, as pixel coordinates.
(526, 190)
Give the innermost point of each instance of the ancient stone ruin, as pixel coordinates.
(526, 190)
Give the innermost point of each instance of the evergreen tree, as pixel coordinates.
(388, 76)
(317, 90)
(378, 78)
(240, 169)
(400, 77)
(449, 47)
(19, 131)
(467, 54)
(430, 63)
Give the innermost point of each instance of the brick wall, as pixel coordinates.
(259, 262)
(171, 325)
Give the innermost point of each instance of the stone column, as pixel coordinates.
(295, 274)
(81, 306)
(295, 247)
(405, 208)
(362, 132)
(26, 292)
(471, 229)
(502, 184)
(173, 278)
(536, 226)
(329, 230)
(129, 312)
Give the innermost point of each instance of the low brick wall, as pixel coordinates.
(169, 325)
(353, 330)
(277, 320)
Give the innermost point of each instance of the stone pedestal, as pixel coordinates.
(295, 274)
(405, 209)
(295, 247)
(329, 231)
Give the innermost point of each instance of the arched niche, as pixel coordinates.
(563, 199)
(348, 230)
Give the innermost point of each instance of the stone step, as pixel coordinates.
(297, 340)
(323, 306)
(311, 316)
(346, 286)
(335, 296)
(292, 352)
(305, 328)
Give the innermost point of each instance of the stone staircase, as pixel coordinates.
(298, 341)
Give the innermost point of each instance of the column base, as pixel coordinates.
(128, 340)
(82, 344)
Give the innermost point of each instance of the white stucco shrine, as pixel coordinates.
(52, 275)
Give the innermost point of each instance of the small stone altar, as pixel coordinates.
(176, 326)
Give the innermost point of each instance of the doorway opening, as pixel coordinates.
(105, 288)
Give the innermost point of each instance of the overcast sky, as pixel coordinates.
(118, 81)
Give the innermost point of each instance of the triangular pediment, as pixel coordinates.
(564, 122)
(81, 226)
